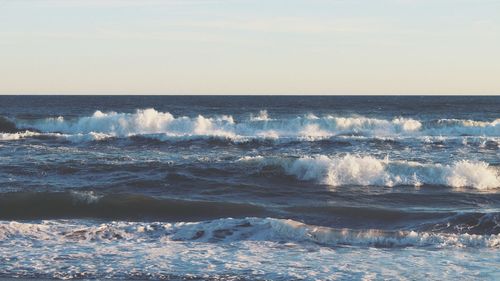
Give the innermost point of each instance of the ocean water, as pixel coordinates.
(250, 188)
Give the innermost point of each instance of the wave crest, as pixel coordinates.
(18, 135)
(309, 127)
(368, 170)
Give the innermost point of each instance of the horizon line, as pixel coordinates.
(234, 94)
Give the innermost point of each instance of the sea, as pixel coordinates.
(250, 187)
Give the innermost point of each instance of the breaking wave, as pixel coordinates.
(368, 170)
(18, 135)
(230, 230)
(164, 125)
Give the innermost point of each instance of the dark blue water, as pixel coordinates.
(245, 188)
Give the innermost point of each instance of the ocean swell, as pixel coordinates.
(87, 204)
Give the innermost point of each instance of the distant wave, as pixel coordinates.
(368, 170)
(229, 230)
(164, 125)
(18, 135)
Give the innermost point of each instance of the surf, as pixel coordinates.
(351, 169)
(307, 127)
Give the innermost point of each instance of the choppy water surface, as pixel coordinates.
(250, 188)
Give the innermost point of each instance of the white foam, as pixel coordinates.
(17, 136)
(309, 127)
(227, 249)
(231, 230)
(262, 116)
(339, 171)
(374, 237)
(465, 127)
(368, 170)
(408, 125)
(373, 126)
(314, 132)
(92, 136)
(478, 174)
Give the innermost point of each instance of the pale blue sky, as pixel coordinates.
(250, 46)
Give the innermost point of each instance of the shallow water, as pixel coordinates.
(250, 188)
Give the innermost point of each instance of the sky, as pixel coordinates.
(250, 46)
